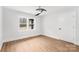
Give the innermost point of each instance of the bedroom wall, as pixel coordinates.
(64, 19)
(77, 26)
(50, 25)
(10, 25)
(1, 27)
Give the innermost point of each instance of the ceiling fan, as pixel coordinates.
(40, 10)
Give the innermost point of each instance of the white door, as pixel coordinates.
(66, 27)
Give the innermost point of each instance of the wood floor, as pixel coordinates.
(39, 44)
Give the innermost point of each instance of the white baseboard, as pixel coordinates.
(60, 39)
(51, 36)
(32, 36)
(18, 38)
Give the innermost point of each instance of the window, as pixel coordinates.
(23, 23)
(26, 24)
(31, 23)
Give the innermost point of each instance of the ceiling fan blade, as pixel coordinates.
(37, 14)
(40, 10)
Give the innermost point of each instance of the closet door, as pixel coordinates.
(66, 27)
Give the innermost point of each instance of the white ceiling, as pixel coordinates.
(31, 9)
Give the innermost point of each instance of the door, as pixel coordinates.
(66, 27)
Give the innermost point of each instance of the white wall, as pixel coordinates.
(50, 25)
(0, 26)
(11, 24)
(77, 26)
(62, 19)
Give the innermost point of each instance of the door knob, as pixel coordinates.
(59, 28)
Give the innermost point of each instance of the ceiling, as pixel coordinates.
(50, 9)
